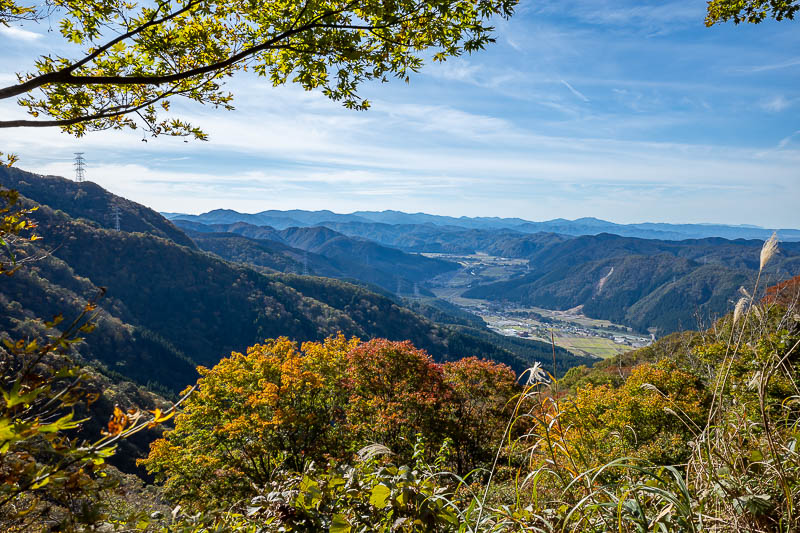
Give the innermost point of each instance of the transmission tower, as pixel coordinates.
(305, 263)
(398, 286)
(416, 290)
(115, 212)
(80, 167)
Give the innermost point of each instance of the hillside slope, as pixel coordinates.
(90, 201)
(667, 285)
(169, 307)
(319, 250)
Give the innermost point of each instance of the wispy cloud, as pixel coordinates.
(786, 140)
(649, 17)
(574, 91)
(776, 104)
(514, 44)
(773, 66)
(13, 32)
(457, 70)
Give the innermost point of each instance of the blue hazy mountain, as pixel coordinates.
(582, 226)
(319, 251)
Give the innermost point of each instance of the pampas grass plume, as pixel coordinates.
(739, 309)
(768, 250)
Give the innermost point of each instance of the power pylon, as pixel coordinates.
(80, 167)
(115, 212)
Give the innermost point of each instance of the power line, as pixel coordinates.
(80, 167)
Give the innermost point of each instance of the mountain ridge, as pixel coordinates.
(580, 226)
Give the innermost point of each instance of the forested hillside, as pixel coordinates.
(282, 436)
(89, 201)
(667, 285)
(168, 307)
(271, 255)
(319, 250)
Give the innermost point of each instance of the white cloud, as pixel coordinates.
(786, 140)
(455, 69)
(513, 44)
(776, 104)
(13, 32)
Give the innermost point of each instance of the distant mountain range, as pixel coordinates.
(581, 226)
(645, 283)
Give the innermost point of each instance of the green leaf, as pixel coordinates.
(380, 494)
(41, 483)
(65, 422)
(7, 431)
(14, 398)
(339, 524)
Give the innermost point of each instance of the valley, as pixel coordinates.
(596, 295)
(546, 280)
(570, 329)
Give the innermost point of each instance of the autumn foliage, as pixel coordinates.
(283, 406)
(785, 294)
(651, 416)
(395, 391)
(482, 395)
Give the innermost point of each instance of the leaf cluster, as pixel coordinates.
(750, 11)
(52, 477)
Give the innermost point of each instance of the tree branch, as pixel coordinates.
(65, 76)
(59, 75)
(118, 111)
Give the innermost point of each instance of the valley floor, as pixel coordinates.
(570, 329)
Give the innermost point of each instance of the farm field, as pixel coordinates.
(594, 346)
(571, 329)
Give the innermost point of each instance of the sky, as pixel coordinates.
(629, 111)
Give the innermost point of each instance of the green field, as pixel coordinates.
(596, 346)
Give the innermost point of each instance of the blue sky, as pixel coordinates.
(623, 110)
